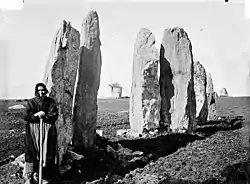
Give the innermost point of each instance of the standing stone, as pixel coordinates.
(216, 95)
(210, 84)
(200, 84)
(87, 83)
(60, 76)
(145, 90)
(223, 92)
(178, 107)
(211, 98)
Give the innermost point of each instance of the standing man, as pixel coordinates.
(39, 107)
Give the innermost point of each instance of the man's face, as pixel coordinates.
(41, 91)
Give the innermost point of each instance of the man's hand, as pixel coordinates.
(40, 114)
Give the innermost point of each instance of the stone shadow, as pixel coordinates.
(160, 146)
(211, 127)
(166, 89)
(113, 160)
(116, 159)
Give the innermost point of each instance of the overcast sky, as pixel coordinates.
(219, 34)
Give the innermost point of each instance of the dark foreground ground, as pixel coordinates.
(213, 154)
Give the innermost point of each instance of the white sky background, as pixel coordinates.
(223, 45)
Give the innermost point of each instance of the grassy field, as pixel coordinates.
(225, 105)
(113, 105)
(234, 106)
(104, 104)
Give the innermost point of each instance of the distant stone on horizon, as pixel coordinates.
(178, 106)
(87, 83)
(211, 98)
(200, 84)
(59, 77)
(223, 92)
(144, 106)
(18, 106)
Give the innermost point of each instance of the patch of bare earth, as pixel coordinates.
(213, 160)
(11, 146)
(213, 154)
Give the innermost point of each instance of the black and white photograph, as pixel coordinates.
(125, 92)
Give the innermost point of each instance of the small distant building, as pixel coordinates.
(116, 90)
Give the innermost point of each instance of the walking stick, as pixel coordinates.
(41, 151)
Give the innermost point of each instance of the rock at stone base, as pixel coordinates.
(74, 156)
(111, 151)
(19, 160)
(122, 132)
(128, 133)
(99, 132)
